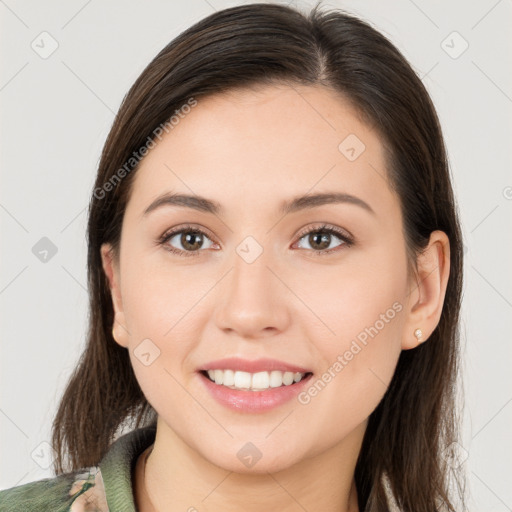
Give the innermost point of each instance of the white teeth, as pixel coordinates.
(260, 380)
(242, 380)
(229, 378)
(276, 379)
(254, 381)
(219, 376)
(287, 378)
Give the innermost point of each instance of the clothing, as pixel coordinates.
(89, 489)
(103, 488)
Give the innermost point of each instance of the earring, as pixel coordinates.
(418, 333)
(113, 333)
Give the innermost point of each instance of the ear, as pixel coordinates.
(111, 269)
(427, 291)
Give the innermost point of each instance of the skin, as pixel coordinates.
(249, 150)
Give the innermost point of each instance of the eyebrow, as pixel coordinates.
(296, 204)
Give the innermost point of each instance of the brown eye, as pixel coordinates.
(185, 241)
(321, 238)
(191, 241)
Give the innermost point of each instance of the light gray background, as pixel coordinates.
(57, 111)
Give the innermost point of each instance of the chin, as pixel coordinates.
(250, 458)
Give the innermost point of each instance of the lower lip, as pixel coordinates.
(254, 401)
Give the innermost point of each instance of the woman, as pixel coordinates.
(275, 274)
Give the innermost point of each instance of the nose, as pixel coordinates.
(253, 300)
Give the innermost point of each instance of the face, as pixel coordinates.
(253, 281)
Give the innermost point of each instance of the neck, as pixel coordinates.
(176, 477)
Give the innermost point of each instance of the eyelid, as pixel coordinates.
(186, 227)
(325, 226)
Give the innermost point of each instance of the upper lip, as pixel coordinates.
(254, 366)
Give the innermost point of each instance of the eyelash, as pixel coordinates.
(324, 228)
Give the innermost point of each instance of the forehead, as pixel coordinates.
(261, 145)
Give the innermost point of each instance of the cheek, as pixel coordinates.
(347, 392)
(361, 298)
(161, 341)
(158, 296)
(165, 310)
(358, 365)
(358, 340)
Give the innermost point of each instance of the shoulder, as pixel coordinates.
(78, 491)
(87, 489)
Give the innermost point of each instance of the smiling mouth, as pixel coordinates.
(259, 381)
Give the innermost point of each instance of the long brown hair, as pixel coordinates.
(250, 45)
